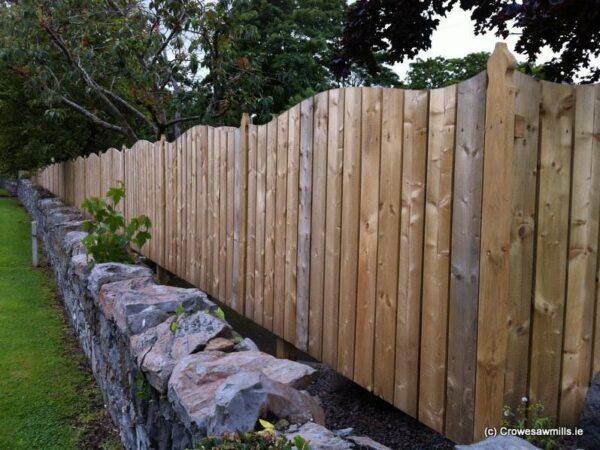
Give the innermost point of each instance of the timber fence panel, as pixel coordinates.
(438, 247)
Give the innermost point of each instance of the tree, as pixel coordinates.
(121, 63)
(32, 135)
(439, 72)
(400, 29)
(283, 48)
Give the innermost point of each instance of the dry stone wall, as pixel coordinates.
(168, 378)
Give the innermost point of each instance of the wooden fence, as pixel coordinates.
(437, 247)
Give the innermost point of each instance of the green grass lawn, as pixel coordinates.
(48, 399)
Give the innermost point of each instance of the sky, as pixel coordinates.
(455, 38)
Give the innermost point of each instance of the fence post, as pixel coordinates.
(492, 335)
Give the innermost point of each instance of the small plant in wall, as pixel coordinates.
(110, 237)
(266, 439)
(528, 416)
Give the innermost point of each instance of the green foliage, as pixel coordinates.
(529, 416)
(267, 439)
(109, 236)
(142, 388)
(218, 313)
(439, 72)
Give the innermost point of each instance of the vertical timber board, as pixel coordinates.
(333, 226)
(240, 220)
(187, 246)
(259, 263)
(193, 253)
(210, 221)
(222, 149)
(291, 243)
(304, 221)
(201, 207)
(390, 184)
(161, 175)
(319, 208)
(582, 259)
(350, 227)
(596, 340)
(522, 234)
(280, 225)
(270, 199)
(368, 231)
(216, 210)
(464, 264)
(180, 207)
(552, 240)
(251, 228)
(436, 257)
(495, 241)
(230, 214)
(410, 266)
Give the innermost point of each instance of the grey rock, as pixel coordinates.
(246, 345)
(111, 272)
(589, 420)
(137, 304)
(72, 242)
(158, 349)
(499, 443)
(366, 443)
(202, 384)
(79, 268)
(343, 432)
(245, 397)
(319, 437)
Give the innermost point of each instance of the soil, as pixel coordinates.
(348, 405)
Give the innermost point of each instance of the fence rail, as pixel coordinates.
(438, 247)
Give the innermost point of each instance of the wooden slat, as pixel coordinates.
(495, 241)
(521, 257)
(333, 226)
(161, 176)
(192, 240)
(368, 233)
(180, 189)
(251, 229)
(582, 258)
(222, 149)
(319, 208)
(304, 222)
(270, 199)
(551, 252)
(241, 214)
(291, 243)
(436, 257)
(216, 210)
(202, 205)
(230, 212)
(410, 268)
(596, 339)
(210, 222)
(259, 262)
(350, 227)
(280, 225)
(464, 281)
(390, 187)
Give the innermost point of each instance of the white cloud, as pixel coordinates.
(455, 37)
